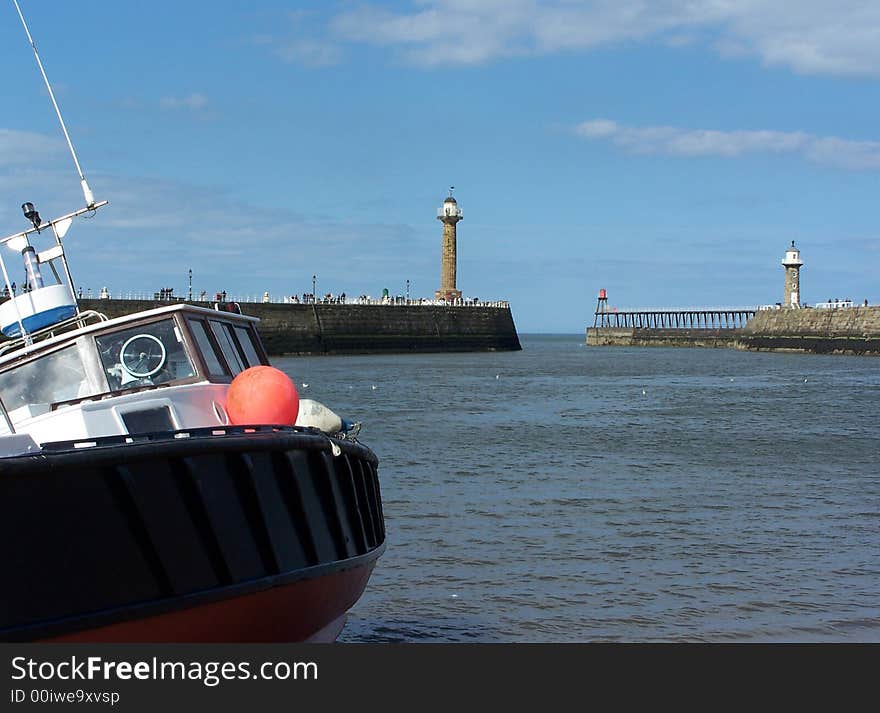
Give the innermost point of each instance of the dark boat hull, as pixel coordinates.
(241, 534)
(270, 615)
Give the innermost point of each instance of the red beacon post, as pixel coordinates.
(601, 320)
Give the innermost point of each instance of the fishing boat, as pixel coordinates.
(136, 504)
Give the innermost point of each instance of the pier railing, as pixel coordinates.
(395, 301)
(723, 318)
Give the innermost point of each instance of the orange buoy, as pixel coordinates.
(262, 395)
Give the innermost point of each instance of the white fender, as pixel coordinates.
(316, 415)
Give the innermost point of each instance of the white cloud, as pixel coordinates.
(304, 43)
(812, 37)
(672, 141)
(193, 102)
(312, 53)
(153, 230)
(446, 32)
(22, 148)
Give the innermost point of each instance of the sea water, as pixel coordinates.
(572, 493)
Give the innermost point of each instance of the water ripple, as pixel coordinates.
(559, 503)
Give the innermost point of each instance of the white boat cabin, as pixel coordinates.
(161, 370)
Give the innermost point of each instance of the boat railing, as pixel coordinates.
(78, 321)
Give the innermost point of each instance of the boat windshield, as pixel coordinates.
(146, 355)
(29, 389)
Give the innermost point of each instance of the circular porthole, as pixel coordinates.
(142, 355)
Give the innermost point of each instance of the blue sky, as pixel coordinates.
(667, 151)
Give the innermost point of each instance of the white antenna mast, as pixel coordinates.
(87, 192)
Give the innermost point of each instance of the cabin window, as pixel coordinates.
(30, 389)
(223, 333)
(145, 355)
(247, 346)
(207, 348)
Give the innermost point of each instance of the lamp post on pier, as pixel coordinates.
(190, 297)
(314, 292)
(407, 291)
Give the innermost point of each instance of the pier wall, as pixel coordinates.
(853, 330)
(360, 329)
(650, 337)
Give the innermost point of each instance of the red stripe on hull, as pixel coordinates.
(306, 610)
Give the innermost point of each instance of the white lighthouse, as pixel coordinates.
(792, 264)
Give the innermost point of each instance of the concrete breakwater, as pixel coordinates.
(853, 330)
(649, 337)
(360, 329)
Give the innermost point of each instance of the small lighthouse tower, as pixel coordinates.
(601, 318)
(449, 214)
(792, 264)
